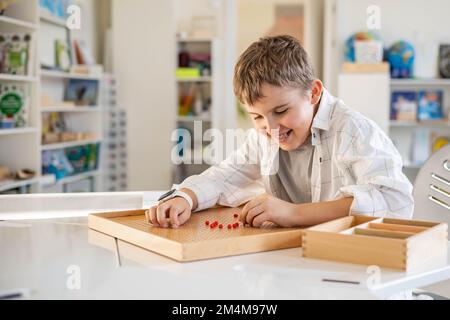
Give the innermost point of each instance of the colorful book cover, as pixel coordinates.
(403, 105)
(82, 92)
(430, 105)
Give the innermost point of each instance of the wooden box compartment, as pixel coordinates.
(194, 240)
(385, 242)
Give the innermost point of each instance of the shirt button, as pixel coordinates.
(314, 135)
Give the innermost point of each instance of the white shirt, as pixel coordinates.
(352, 157)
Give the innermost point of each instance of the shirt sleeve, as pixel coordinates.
(233, 181)
(380, 188)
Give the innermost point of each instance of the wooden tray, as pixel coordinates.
(194, 240)
(393, 243)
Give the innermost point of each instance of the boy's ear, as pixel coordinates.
(316, 91)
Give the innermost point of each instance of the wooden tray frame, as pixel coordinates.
(197, 250)
(385, 242)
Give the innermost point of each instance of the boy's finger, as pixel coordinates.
(184, 216)
(259, 220)
(250, 205)
(173, 217)
(254, 212)
(161, 214)
(152, 215)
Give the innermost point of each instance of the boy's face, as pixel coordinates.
(290, 110)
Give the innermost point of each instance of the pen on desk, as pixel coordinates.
(341, 281)
(14, 294)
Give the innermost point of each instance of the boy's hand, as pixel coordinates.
(268, 208)
(173, 212)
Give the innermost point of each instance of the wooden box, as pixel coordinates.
(195, 240)
(392, 243)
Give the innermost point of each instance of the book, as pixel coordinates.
(444, 60)
(82, 92)
(430, 105)
(404, 105)
(15, 53)
(14, 105)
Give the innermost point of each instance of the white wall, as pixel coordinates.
(144, 64)
(256, 17)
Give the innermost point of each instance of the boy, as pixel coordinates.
(332, 161)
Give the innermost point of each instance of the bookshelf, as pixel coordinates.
(88, 118)
(22, 147)
(201, 114)
(19, 147)
(407, 135)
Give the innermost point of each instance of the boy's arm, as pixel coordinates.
(380, 188)
(266, 207)
(229, 183)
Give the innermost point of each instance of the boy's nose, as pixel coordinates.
(272, 128)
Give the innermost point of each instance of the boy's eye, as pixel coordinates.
(257, 117)
(280, 111)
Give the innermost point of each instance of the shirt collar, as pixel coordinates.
(323, 114)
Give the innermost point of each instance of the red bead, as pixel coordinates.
(207, 222)
(220, 226)
(235, 225)
(229, 226)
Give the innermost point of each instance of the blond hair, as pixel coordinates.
(278, 61)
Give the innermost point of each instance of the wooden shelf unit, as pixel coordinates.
(192, 163)
(22, 147)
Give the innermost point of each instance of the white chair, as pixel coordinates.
(432, 199)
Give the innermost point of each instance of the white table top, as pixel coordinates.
(36, 255)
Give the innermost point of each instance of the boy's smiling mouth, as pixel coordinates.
(284, 136)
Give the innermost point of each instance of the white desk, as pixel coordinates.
(36, 254)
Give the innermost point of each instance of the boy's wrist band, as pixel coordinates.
(176, 193)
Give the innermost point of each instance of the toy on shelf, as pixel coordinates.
(21, 174)
(54, 130)
(183, 57)
(25, 174)
(193, 103)
(5, 173)
(440, 142)
(183, 73)
(401, 58)
(193, 62)
(364, 47)
(13, 106)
